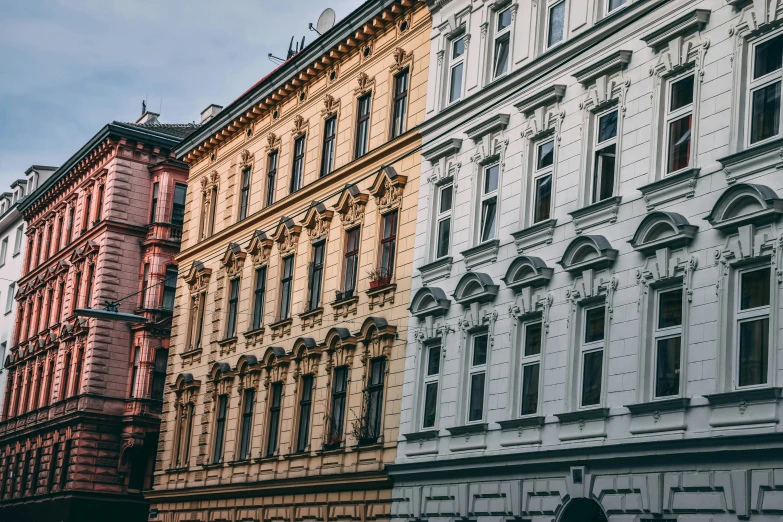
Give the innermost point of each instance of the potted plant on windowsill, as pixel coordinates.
(378, 278)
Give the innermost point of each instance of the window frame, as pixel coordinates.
(259, 297)
(497, 36)
(154, 202)
(402, 97)
(484, 199)
(336, 430)
(316, 269)
(670, 117)
(476, 369)
(443, 216)
(454, 62)
(221, 420)
(375, 391)
(588, 348)
(362, 146)
(274, 414)
(750, 315)
(597, 148)
(175, 212)
(271, 177)
(232, 310)
(244, 192)
(305, 412)
(549, 6)
(297, 163)
(755, 84)
(610, 11)
(387, 246)
(347, 256)
(431, 379)
(539, 173)
(169, 288)
(661, 334)
(245, 440)
(527, 361)
(286, 287)
(329, 146)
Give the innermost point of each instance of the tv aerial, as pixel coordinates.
(325, 21)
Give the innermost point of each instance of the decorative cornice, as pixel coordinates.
(543, 98)
(605, 66)
(494, 123)
(443, 149)
(692, 21)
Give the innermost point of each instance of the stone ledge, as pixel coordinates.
(486, 252)
(438, 269)
(596, 214)
(534, 236)
(680, 185)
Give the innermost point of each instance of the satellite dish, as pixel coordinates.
(325, 21)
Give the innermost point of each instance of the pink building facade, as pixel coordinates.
(80, 420)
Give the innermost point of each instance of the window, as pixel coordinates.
(135, 370)
(77, 283)
(56, 236)
(316, 275)
(182, 438)
(233, 302)
(542, 181)
(169, 287)
(351, 262)
(90, 284)
(339, 391)
(19, 237)
(208, 212)
(668, 338)
(3, 251)
(259, 294)
(145, 283)
(159, 373)
(457, 69)
(752, 315)
(500, 56)
(65, 376)
(285, 287)
(388, 246)
(248, 401)
(679, 121)
(592, 355)
(276, 396)
(178, 207)
(489, 203)
(614, 4)
(764, 89)
(244, 194)
(297, 169)
(198, 303)
(87, 209)
(400, 103)
(443, 219)
(477, 377)
(431, 385)
(605, 151)
(305, 406)
(271, 176)
(99, 203)
(154, 205)
(327, 160)
(362, 125)
(71, 219)
(531, 367)
(61, 300)
(220, 429)
(375, 398)
(556, 26)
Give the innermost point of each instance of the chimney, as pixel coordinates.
(149, 117)
(210, 112)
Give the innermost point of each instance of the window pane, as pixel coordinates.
(556, 23)
(682, 93)
(594, 324)
(543, 202)
(607, 126)
(604, 174)
(501, 56)
(476, 407)
(488, 220)
(458, 48)
(479, 350)
(546, 155)
(614, 4)
(456, 83)
(504, 19)
(445, 198)
(670, 309)
(529, 389)
(753, 349)
(591, 378)
(679, 143)
(444, 233)
(667, 368)
(433, 361)
(765, 118)
(769, 57)
(430, 404)
(491, 179)
(754, 290)
(533, 339)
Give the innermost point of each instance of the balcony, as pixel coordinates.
(164, 231)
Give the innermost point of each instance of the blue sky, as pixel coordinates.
(67, 67)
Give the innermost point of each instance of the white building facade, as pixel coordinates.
(12, 245)
(597, 300)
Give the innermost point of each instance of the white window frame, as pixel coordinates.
(748, 315)
(529, 360)
(608, 11)
(756, 84)
(496, 36)
(586, 348)
(475, 370)
(598, 147)
(551, 4)
(453, 63)
(440, 217)
(540, 174)
(485, 197)
(671, 116)
(431, 379)
(660, 334)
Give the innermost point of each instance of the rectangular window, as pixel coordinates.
(456, 70)
(477, 379)
(339, 392)
(752, 311)
(55, 240)
(18, 240)
(3, 251)
(259, 295)
(244, 194)
(220, 429)
(285, 287)
(542, 181)
(135, 370)
(764, 89)
(199, 304)
(275, 400)
(501, 48)
(592, 354)
(154, 204)
(305, 407)
(145, 283)
(233, 303)
(99, 204)
(400, 103)
(388, 247)
(327, 159)
(77, 291)
(271, 178)
(489, 203)
(443, 219)
(531, 364)
(556, 26)
(668, 335)
(375, 398)
(362, 125)
(679, 121)
(169, 287)
(87, 209)
(316, 276)
(614, 4)
(431, 385)
(178, 207)
(605, 151)
(71, 220)
(248, 401)
(159, 373)
(89, 288)
(351, 262)
(297, 169)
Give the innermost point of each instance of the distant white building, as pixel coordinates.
(12, 241)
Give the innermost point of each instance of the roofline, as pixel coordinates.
(39, 167)
(115, 128)
(277, 78)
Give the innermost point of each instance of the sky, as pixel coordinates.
(68, 67)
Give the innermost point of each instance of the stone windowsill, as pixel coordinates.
(421, 435)
(438, 269)
(752, 160)
(534, 421)
(468, 429)
(254, 333)
(190, 353)
(750, 395)
(311, 313)
(344, 307)
(267, 458)
(589, 414)
(674, 404)
(534, 236)
(227, 341)
(679, 185)
(178, 470)
(595, 214)
(381, 295)
(281, 328)
(486, 252)
(214, 465)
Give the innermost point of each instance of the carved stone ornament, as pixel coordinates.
(317, 221)
(351, 206)
(209, 181)
(287, 236)
(401, 59)
(299, 126)
(272, 142)
(233, 260)
(259, 248)
(331, 105)
(365, 84)
(198, 277)
(387, 189)
(245, 159)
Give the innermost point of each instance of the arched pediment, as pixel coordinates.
(273, 353)
(373, 325)
(587, 252)
(219, 370)
(387, 188)
(185, 380)
(303, 346)
(662, 229)
(527, 271)
(286, 235)
(317, 220)
(745, 203)
(475, 287)
(351, 205)
(429, 301)
(246, 362)
(339, 337)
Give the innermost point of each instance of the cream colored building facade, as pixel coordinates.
(290, 325)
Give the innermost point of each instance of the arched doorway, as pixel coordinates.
(583, 510)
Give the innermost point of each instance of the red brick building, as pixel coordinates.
(80, 422)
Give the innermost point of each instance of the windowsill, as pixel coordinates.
(429, 434)
(671, 187)
(580, 415)
(311, 313)
(595, 214)
(281, 323)
(468, 429)
(535, 235)
(438, 269)
(281, 328)
(214, 465)
(268, 458)
(752, 159)
(345, 307)
(240, 462)
(254, 333)
(334, 447)
(531, 421)
(670, 404)
(486, 252)
(15, 254)
(368, 442)
(227, 341)
(181, 469)
(191, 353)
(745, 395)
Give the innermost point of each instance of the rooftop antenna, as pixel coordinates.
(325, 22)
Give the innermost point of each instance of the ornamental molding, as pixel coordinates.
(233, 260)
(351, 205)
(259, 248)
(317, 221)
(331, 106)
(387, 189)
(198, 277)
(286, 236)
(365, 84)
